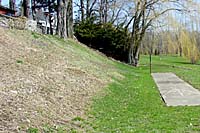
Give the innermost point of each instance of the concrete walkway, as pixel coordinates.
(175, 91)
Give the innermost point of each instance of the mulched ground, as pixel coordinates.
(42, 83)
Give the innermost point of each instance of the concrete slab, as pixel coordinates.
(175, 91)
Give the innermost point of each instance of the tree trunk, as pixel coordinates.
(59, 18)
(134, 52)
(61, 23)
(180, 46)
(33, 4)
(50, 24)
(25, 7)
(82, 10)
(50, 17)
(181, 50)
(101, 12)
(88, 9)
(65, 19)
(106, 11)
(11, 4)
(136, 57)
(70, 19)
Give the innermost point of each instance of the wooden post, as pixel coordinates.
(151, 50)
(150, 61)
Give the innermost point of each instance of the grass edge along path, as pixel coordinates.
(134, 105)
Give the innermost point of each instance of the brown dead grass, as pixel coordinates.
(45, 82)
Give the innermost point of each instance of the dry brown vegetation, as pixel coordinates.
(44, 80)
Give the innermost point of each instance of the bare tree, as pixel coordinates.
(90, 8)
(145, 12)
(86, 8)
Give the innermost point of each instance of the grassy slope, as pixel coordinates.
(134, 104)
(130, 104)
(46, 82)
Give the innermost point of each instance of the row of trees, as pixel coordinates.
(179, 36)
(114, 26)
(183, 43)
(134, 16)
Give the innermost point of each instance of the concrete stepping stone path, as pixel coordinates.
(175, 91)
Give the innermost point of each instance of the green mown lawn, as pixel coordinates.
(134, 104)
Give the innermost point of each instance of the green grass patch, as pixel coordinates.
(134, 104)
(19, 61)
(181, 67)
(32, 130)
(35, 35)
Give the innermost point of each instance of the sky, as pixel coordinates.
(6, 2)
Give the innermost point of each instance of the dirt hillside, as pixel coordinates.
(46, 81)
